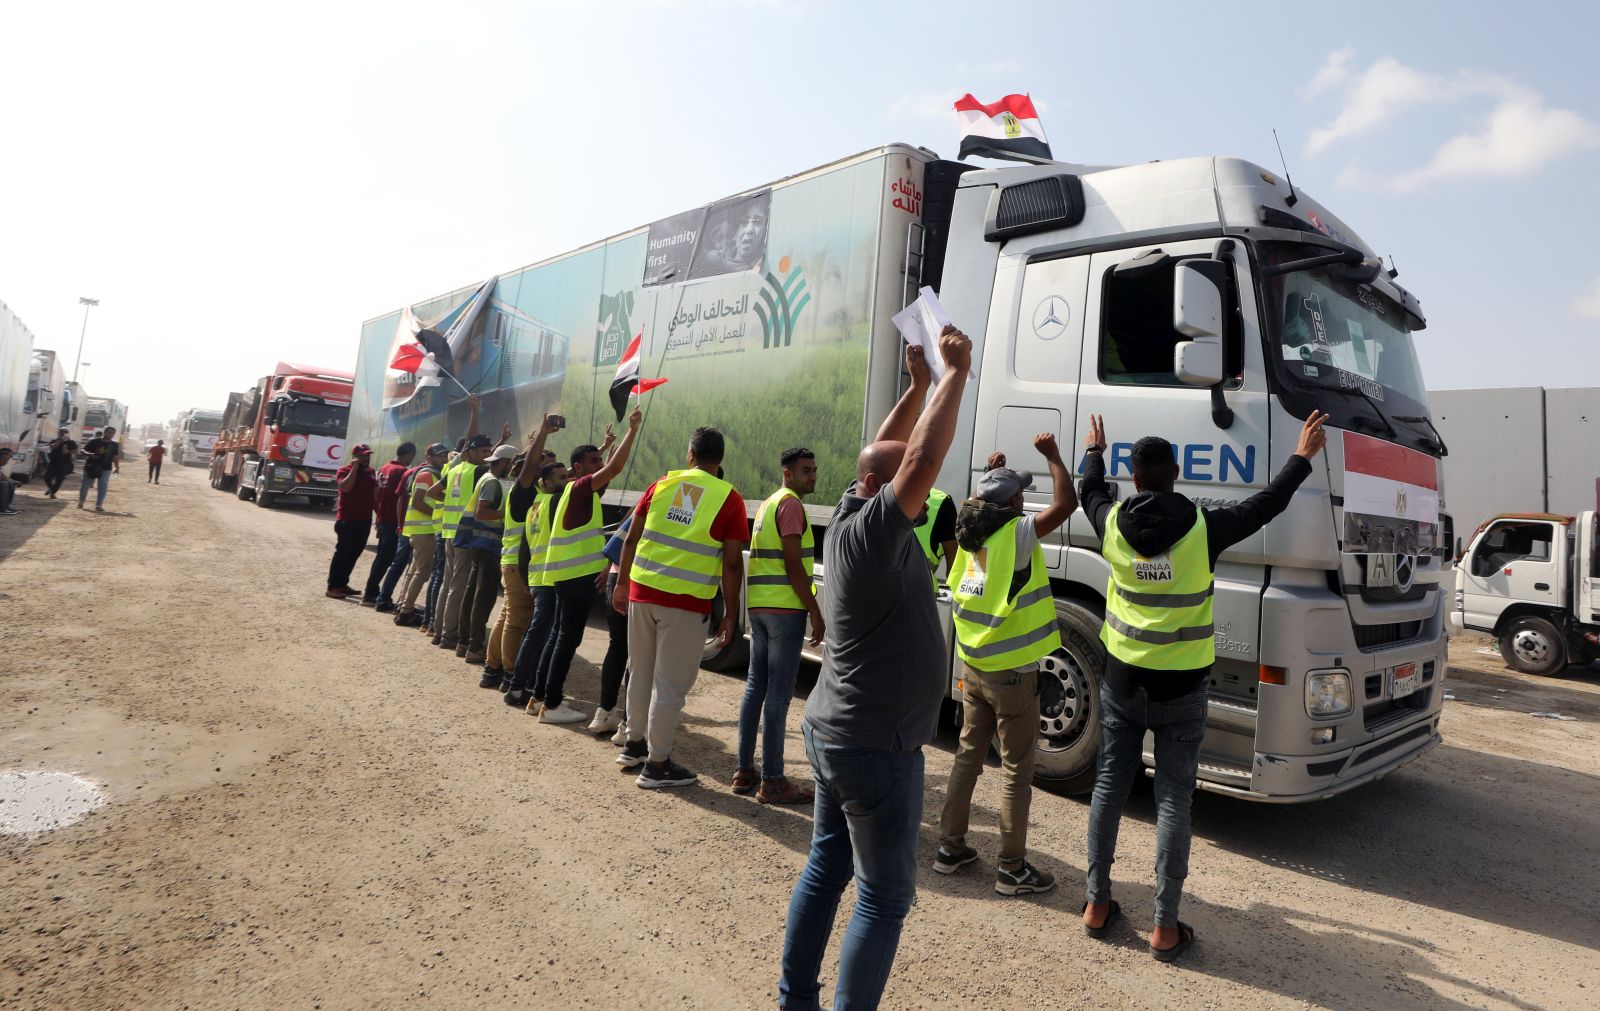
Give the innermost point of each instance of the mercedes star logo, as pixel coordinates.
(1405, 571)
(1050, 318)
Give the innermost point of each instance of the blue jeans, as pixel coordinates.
(104, 481)
(535, 639)
(397, 568)
(574, 598)
(775, 641)
(1179, 725)
(435, 581)
(868, 811)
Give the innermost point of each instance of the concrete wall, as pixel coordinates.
(1521, 449)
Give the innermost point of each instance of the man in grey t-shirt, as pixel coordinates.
(876, 702)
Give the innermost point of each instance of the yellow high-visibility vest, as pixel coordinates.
(768, 582)
(994, 630)
(1158, 610)
(676, 552)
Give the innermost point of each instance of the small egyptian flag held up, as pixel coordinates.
(409, 357)
(1008, 128)
(627, 382)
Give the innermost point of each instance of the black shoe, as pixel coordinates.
(490, 679)
(408, 619)
(669, 773)
(384, 608)
(951, 859)
(445, 643)
(369, 601)
(1025, 880)
(517, 698)
(633, 754)
(436, 640)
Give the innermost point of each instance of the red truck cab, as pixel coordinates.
(285, 436)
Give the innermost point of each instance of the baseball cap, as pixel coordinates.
(479, 442)
(1001, 485)
(437, 449)
(504, 453)
(361, 449)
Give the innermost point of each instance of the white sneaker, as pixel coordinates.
(621, 736)
(561, 714)
(605, 721)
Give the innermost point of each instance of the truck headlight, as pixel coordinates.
(283, 472)
(1327, 694)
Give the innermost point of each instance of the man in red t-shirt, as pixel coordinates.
(352, 520)
(391, 482)
(156, 453)
(667, 630)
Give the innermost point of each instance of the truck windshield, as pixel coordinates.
(205, 426)
(313, 417)
(1344, 348)
(94, 419)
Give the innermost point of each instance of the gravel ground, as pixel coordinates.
(305, 806)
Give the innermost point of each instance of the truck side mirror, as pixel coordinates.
(1197, 314)
(271, 415)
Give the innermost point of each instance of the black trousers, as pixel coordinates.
(351, 541)
(155, 472)
(616, 661)
(483, 588)
(54, 481)
(388, 541)
(574, 598)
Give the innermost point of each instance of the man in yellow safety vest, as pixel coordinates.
(1005, 620)
(421, 527)
(684, 544)
(512, 624)
(780, 599)
(452, 493)
(1160, 645)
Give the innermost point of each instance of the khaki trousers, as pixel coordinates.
(1004, 703)
(664, 649)
(512, 624)
(418, 572)
(457, 573)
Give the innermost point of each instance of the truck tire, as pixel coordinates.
(735, 656)
(1533, 645)
(242, 491)
(264, 499)
(1069, 703)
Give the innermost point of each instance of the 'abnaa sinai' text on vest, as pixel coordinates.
(1153, 570)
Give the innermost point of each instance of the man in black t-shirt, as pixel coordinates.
(100, 457)
(58, 464)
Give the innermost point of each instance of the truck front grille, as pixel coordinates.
(1393, 595)
(1375, 637)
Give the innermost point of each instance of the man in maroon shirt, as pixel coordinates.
(391, 478)
(352, 521)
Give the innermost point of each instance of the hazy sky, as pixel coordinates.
(240, 184)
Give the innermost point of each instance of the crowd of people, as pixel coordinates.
(101, 457)
(458, 529)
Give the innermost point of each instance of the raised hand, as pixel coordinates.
(635, 419)
(996, 460)
(505, 433)
(955, 348)
(1312, 437)
(1096, 439)
(1045, 443)
(917, 365)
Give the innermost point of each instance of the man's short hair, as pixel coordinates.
(579, 452)
(1154, 463)
(548, 469)
(548, 454)
(707, 445)
(790, 457)
(406, 449)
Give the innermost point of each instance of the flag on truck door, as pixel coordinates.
(1008, 128)
(627, 382)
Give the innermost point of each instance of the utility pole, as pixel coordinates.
(87, 303)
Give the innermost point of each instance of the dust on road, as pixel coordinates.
(307, 806)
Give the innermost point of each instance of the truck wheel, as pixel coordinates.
(242, 491)
(735, 656)
(1069, 703)
(264, 499)
(1533, 645)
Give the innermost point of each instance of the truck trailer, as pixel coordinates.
(49, 404)
(1201, 299)
(16, 359)
(284, 436)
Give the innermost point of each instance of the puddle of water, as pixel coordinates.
(32, 803)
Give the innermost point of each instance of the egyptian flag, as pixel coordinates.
(409, 357)
(627, 382)
(1008, 128)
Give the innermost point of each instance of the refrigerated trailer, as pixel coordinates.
(1199, 299)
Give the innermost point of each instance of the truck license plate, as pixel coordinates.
(1407, 679)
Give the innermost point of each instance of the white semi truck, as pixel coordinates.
(193, 433)
(49, 405)
(1201, 299)
(1532, 580)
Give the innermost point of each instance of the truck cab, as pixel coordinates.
(1531, 580)
(285, 437)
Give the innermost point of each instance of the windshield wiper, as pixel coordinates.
(1364, 395)
(1423, 419)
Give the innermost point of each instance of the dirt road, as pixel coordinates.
(308, 807)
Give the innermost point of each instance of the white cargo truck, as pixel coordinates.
(1199, 299)
(1532, 580)
(195, 432)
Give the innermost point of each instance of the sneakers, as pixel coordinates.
(490, 679)
(384, 608)
(561, 714)
(605, 720)
(633, 754)
(783, 790)
(745, 782)
(1026, 880)
(475, 659)
(621, 736)
(950, 859)
(521, 698)
(369, 601)
(658, 775)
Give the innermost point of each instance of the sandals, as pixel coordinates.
(1185, 939)
(1099, 933)
(745, 782)
(784, 791)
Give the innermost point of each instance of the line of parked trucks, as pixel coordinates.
(53, 402)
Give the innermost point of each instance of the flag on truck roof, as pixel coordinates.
(1009, 128)
(627, 382)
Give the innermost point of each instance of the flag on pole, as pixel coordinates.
(627, 382)
(1009, 128)
(409, 357)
